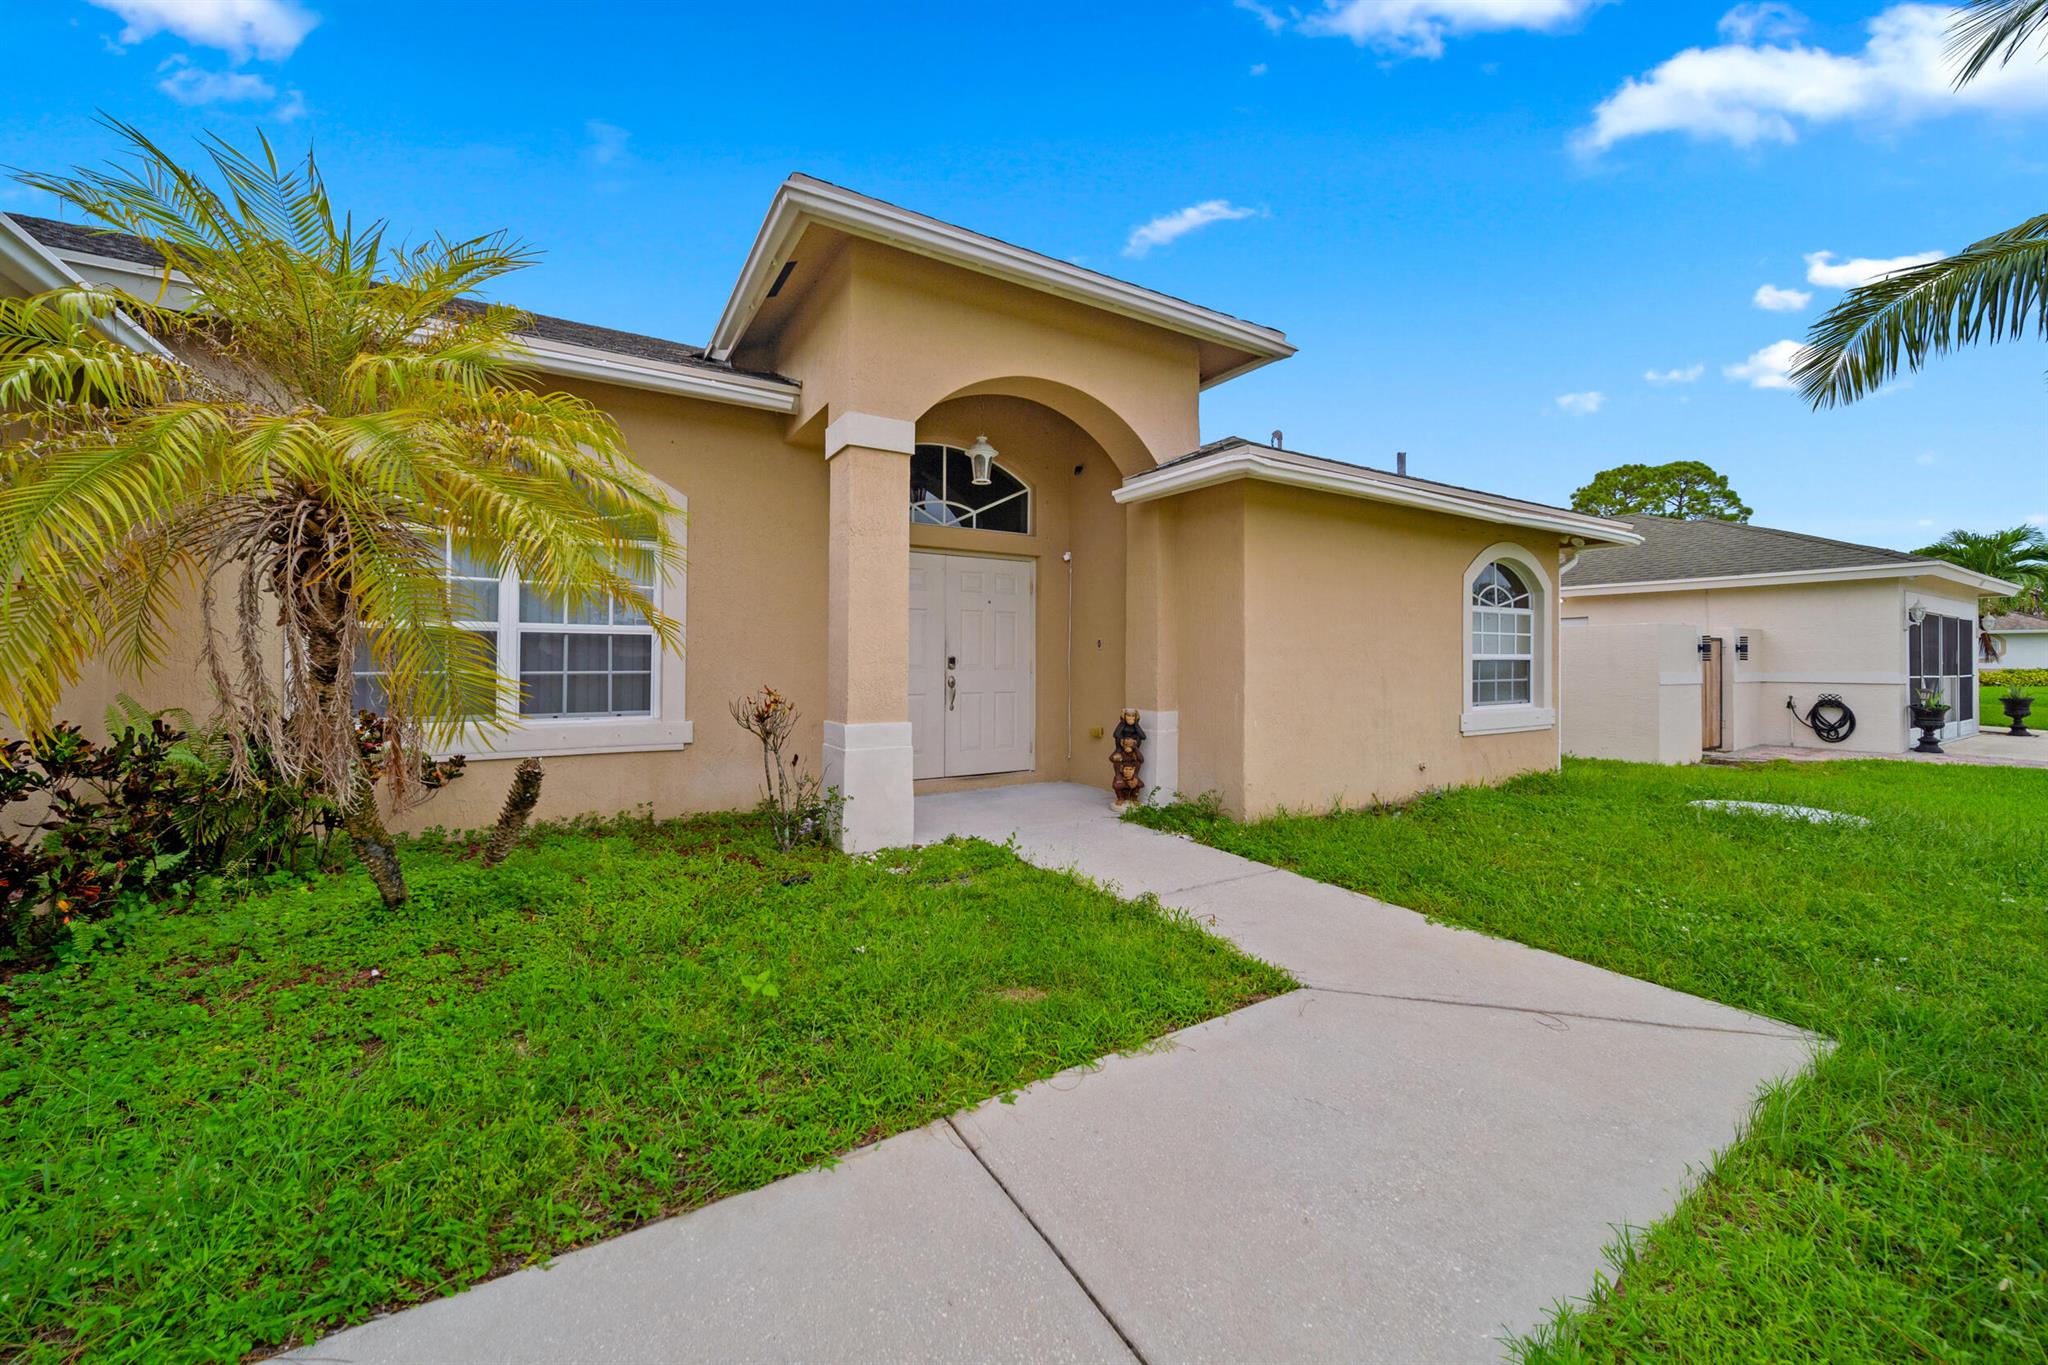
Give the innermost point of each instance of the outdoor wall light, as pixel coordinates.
(980, 456)
(1742, 647)
(1706, 646)
(1915, 614)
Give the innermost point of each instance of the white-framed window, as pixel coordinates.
(1503, 638)
(1508, 615)
(573, 677)
(943, 493)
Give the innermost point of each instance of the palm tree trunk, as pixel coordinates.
(360, 816)
(519, 803)
(373, 844)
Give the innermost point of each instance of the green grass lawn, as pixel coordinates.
(272, 1115)
(1991, 715)
(1893, 1204)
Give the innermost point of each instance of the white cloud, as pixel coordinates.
(2038, 519)
(188, 84)
(1582, 404)
(607, 141)
(1772, 299)
(1676, 376)
(1265, 14)
(1749, 91)
(1171, 227)
(1769, 368)
(1925, 458)
(1823, 269)
(1771, 20)
(1258, 68)
(1417, 28)
(271, 29)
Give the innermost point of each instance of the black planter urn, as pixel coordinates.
(1929, 720)
(2017, 709)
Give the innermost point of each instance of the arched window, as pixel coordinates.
(1503, 639)
(943, 493)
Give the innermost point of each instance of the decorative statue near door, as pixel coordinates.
(1125, 762)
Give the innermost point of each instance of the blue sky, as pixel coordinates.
(1484, 222)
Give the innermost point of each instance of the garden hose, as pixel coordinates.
(1829, 717)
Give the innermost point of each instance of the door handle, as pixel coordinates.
(951, 683)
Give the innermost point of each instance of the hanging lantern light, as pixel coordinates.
(980, 456)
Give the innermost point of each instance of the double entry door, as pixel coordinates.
(972, 632)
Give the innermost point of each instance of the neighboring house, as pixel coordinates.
(2018, 639)
(949, 496)
(1697, 637)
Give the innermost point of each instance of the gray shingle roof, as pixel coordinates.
(1720, 549)
(2018, 620)
(83, 239)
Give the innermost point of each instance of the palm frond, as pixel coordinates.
(1993, 290)
(1988, 31)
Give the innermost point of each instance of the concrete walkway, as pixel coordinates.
(1986, 749)
(1406, 1161)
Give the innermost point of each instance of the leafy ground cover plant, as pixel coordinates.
(1892, 1204)
(102, 831)
(277, 1113)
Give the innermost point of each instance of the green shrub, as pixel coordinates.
(2015, 677)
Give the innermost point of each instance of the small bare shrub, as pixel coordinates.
(800, 808)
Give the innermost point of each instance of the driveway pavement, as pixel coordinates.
(1409, 1159)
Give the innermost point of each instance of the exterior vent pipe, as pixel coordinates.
(1276, 438)
(1401, 463)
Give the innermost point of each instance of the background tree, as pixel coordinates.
(1684, 489)
(333, 413)
(1993, 290)
(2018, 554)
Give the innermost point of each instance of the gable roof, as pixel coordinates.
(1234, 457)
(2017, 623)
(559, 345)
(803, 201)
(1675, 553)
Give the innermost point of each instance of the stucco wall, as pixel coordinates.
(1318, 647)
(1202, 554)
(892, 334)
(2023, 651)
(1806, 639)
(1630, 691)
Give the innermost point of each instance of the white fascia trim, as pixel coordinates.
(1245, 462)
(802, 202)
(1506, 720)
(577, 362)
(44, 269)
(865, 429)
(548, 357)
(1952, 573)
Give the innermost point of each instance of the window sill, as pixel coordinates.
(570, 738)
(1506, 720)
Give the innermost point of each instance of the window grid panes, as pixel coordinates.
(943, 493)
(473, 588)
(1503, 639)
(586, 659)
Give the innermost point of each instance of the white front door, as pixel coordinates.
(972, 697)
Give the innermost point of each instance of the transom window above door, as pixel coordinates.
(943, 493)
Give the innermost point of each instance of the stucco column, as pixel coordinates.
(1149, 681)
(867, 662)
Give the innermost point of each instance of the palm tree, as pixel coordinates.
(2018, 554)
(330, 422)
(1992, 290)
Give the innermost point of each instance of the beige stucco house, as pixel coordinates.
(1696, 638)
(1293, 631)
